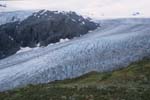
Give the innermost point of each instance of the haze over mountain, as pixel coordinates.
(92, 8)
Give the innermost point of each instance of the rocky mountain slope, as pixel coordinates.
(114, 45)
(42, 28)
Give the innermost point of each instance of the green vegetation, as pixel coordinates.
(131, 83)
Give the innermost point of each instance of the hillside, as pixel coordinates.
(131, 83)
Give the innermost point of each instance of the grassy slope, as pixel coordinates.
(131, 83)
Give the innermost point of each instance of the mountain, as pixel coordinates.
(114, 45)
(131, 83)
(42, 28)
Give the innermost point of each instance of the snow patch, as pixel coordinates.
(63, 40)
(43, 12)
(24, 49)
(38, 45)
(83, 23)
(11, 38)
(73, 20)
(34, 14)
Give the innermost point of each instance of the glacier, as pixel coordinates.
(13, 16)
(114, 45)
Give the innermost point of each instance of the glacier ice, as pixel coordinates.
(7, 17)
(115, 44)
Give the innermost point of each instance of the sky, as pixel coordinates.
(92, 8)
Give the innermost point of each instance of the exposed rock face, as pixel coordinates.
(42, 28)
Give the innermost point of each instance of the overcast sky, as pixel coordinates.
(96, 8)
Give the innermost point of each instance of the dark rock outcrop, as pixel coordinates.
(42, 28)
